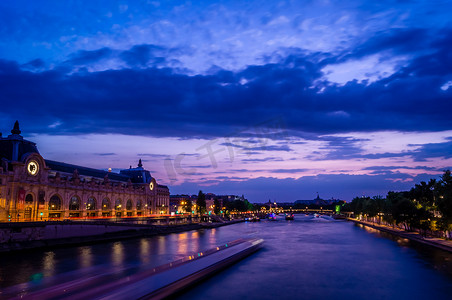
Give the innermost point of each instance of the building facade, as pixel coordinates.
(179, 204)
(35, 189)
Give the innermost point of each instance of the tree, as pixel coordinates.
(445, 202)
(424, 193)
(201, 203)
(390, 206)
(427, 206)
(404, 212)
(188, 205)
(217, 206)
(248, 206)
(370, 207)
(356, 206)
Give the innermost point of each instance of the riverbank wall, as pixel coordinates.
(439, 243)
(32, 235)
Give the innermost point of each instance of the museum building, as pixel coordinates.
(36, 189)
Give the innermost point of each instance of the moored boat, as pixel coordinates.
(271, 217)
(289, 216)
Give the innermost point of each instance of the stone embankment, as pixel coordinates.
(442, 244)
(31, 235)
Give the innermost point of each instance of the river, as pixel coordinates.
(308, 258)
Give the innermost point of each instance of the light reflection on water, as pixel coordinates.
(194, 241)
(144, 251)
(182, 244)
(161, 242)
(49, 264)
(117, 254)
(335, 259)
(85, 257)
(212, 236)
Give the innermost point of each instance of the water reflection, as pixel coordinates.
(332, 259)
(117, 254)
(85, 257)
(182, 247)
(194, 239)
(403, 242)
(369, 229)
(212, 236)
(161, 242)
(48, 264)
(144, 251)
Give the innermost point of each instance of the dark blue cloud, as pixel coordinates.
(162, 102)
(138, 55)
(344, 148)
(433, 150)
(83, 57)
(395, 40)
(385, 168)
(262, 147)
(252, 160)
(394, 170)
(105, 154)
(35, 64)
(142, 55)
(341, 147)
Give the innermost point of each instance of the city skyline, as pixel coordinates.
(271, 100)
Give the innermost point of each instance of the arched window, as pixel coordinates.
(106, 204)
(74, 203)
(55, 203)
(91, 204)
(118, 204)
(139, 207)
(129, 205)
(29, 199)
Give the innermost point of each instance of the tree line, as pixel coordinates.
(426, 208)
(227, 207)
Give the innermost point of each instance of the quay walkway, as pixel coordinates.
(440, 243)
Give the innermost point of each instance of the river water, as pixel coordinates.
(308, 258)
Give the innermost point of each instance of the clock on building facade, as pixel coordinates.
(33, 168)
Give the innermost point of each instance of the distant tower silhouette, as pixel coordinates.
(140, 165)
(16, 129)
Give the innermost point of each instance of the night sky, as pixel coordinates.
(273, 100)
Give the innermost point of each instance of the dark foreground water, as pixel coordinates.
(308, 258)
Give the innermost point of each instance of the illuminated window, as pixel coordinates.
(74, 203)
(55, 203)
(91, 204)
(118, 204)
(106, 204)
